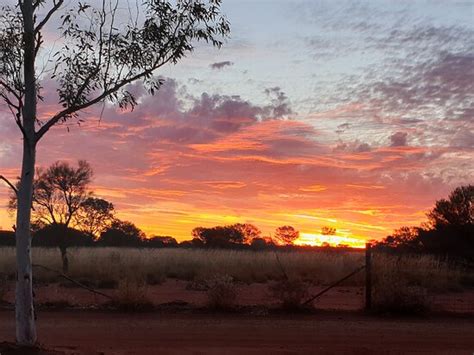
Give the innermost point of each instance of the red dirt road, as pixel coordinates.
(86, 332)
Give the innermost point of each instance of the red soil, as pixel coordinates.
(339, 298)
(194, 331)
(342, 298)
(84, 332)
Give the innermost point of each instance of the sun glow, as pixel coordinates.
(314, 239)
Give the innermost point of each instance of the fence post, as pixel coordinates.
(368, 276)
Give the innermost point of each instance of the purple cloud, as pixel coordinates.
(221, 65)
(398, 139)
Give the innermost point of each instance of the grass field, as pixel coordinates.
(135, 278)
(110, 265)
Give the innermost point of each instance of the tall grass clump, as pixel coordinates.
(222, 292)
(131, 294)
(291, 294)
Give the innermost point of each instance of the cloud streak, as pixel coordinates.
(221, 65)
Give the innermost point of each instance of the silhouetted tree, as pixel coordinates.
(94, 216)
(449, 240)
(404, 238)
(58, 193)
(193, 243)
(249, 231)
(457, 210)
(122, 234)
(450, 230)
(161, 242)
(261, 243)
(286, 235)
(99, 56)
(219, 236)
(51, 236)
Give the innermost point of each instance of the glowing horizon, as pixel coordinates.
(352, 116)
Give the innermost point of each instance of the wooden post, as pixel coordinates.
(368, 276)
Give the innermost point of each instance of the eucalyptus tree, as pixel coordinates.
(102, 49)
(59, 193)
(286, 235)
(94, 216)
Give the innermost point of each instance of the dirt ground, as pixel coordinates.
(181, 324)
(339, 298)
(92, 332)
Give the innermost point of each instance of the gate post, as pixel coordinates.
(368, 276)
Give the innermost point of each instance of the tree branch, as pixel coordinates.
(9, 184)
(9, 89)
(70, 110)
(50, 13)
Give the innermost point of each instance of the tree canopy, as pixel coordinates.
(457, 210)
(286, 235)
(449, 231)
(95, 215)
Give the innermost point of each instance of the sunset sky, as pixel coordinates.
(354, 115)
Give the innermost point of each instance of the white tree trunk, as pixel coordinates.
(24, 308)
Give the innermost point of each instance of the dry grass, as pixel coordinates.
(106, 266)
(401, 284)
(291, 294)
(405, 285)
(424, 271)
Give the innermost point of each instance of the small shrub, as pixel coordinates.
(222, 292)
(131, 295)
(290, 293)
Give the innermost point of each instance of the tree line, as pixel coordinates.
(65, 213)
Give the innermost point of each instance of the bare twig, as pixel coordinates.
(59, 273)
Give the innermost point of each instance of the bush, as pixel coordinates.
(222, 292)
(131, 295)
(290, 293)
